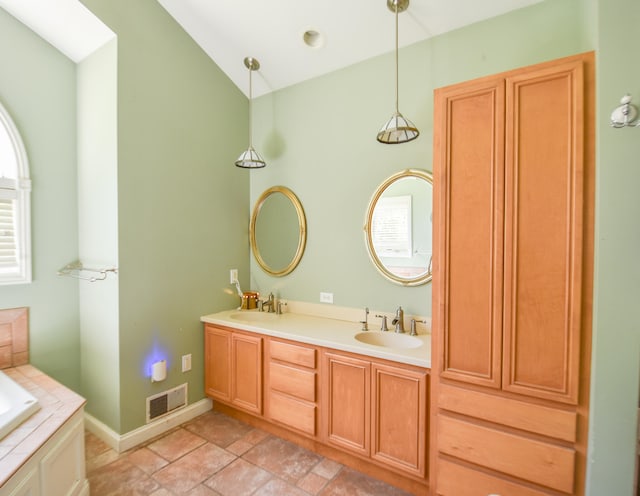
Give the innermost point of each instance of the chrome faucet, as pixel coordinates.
(383, 324)
(365, 324)
(398, 321)
(270, 303)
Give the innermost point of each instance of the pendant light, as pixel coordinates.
(250, 159)
(398, 129)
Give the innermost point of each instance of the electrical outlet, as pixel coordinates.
(186, 362)
(233, 276)
(326, 297)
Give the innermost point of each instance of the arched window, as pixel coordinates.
(15, 215)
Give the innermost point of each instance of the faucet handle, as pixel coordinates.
(383, 324)
(279, 306)
(413, 326)
(365, 324)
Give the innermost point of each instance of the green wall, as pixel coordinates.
(45, 115)
(318, 138)
(615, 364)
(182, 205)
(98, 231)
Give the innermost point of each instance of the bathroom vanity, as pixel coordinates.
(313, 379)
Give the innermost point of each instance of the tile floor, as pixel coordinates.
(215, 455)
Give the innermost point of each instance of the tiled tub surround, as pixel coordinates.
(14, 337)
(60, 410)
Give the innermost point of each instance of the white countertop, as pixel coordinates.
(321, 331)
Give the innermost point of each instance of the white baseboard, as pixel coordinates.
(124, 442)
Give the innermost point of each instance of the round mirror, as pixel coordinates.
(278, 231)
(398, 227)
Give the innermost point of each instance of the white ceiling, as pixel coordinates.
(354, 30)
(67, 24)
(270, 30)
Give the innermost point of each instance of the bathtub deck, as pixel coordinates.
(57, 403)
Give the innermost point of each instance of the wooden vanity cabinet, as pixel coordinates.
(347, 402)
(377, 410)
(233, 367)
(513, 253)
(399, 417)
(371, 413)
(291, 386)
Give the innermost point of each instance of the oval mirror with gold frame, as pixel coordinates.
(398, 227)
(278, 231)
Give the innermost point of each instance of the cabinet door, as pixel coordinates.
(347, 402)
(217, 379)
(246, 372)
(544, 185)
(62, 470)
(29, 486)
(468, 229)
(399, 418)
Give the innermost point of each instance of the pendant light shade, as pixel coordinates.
(250, 159)
(398, 129)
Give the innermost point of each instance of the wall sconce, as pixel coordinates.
(626, 114)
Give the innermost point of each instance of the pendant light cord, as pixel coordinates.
(397, 103)
(250, 118)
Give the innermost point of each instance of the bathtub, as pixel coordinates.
(16, 405)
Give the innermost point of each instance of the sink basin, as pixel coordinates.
(389, 339)
(254, 316)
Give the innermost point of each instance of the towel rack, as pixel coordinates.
(78, 271)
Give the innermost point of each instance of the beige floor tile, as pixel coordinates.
(350, 482)
(218, 428)
(177, 444)
(239, 478)
(254, 462)
(312, 483)
(148, 461)
(192, 469)
(287, 460)
(278, 487)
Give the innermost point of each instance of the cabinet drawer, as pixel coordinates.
(535, 461)
(293, 353)
(292, 413)
(293, 381)
(456, 480)
(538, 419)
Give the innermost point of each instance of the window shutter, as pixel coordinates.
(15, 208)
(8, 245)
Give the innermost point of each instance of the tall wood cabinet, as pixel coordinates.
(513, 255)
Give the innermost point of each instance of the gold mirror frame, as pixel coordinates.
(405, 281)
(302, 230)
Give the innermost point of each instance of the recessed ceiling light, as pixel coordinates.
(313, 38)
